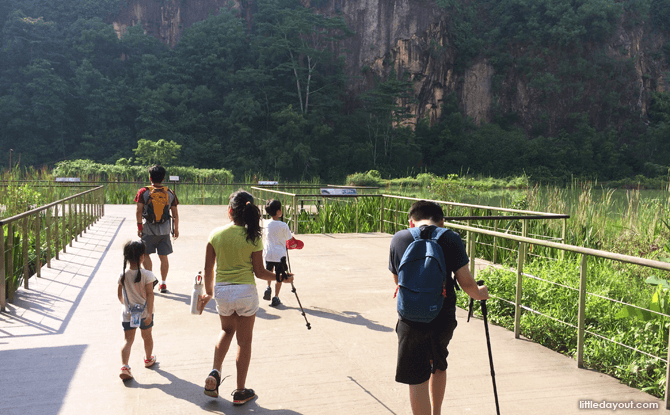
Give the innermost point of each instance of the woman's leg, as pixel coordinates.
(245, 328)
(129, 337)
(228, 328)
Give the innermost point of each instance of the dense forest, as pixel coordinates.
(268, 96)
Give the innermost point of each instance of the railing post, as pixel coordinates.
(381, 215)
(56, 232)
(357, 206)
(563, 235)
(495, 241)
(38, 245)
(26, 269)
(47, 224)
(471, 254)
(581, 311)
(63, 222)
(69, 214)
(395, 217)
(325, 205)
(88, 211)
(468, 236)
(10, 263)
(519, 286)
(295, 215)
(3, 272)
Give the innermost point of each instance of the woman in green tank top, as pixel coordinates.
(237, 251)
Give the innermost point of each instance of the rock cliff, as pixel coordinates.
(413, 37)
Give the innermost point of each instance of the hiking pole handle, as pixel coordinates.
(482, 302)
(472, 301)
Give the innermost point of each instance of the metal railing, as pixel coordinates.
(295, 204)
(585, 253)
(52, 226)
(393, 217)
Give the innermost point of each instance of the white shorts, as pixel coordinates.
(236, 298)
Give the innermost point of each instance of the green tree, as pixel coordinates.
(161, 152)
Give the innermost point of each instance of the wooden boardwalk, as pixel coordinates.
(60, 341)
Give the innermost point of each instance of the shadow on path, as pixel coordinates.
(39, 302)
(190, 392)
(40, 386)
(348, 317)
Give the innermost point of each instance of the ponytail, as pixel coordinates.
(132, 252)
(246, 214)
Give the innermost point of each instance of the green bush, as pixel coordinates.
(89, 170)
(369, 178)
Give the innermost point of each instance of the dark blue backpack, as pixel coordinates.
(422, 278)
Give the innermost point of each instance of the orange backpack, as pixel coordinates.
(156, 205)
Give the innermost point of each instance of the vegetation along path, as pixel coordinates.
(60, 341)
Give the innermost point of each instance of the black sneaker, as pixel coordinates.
(163, 287)
(212, 384)
(267, 294)
(243, 396)
(275, 302)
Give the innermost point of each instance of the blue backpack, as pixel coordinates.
(422, 278)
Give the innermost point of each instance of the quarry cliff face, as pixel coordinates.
(412, 37)
(167, 19)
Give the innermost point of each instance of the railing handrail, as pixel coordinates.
(499, 209)
(566, 247)
(44, 207)
(274, 191)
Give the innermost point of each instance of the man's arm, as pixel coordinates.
(138, 216)
(469, 285)
(175, 220)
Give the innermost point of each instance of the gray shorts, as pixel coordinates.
(160, 243)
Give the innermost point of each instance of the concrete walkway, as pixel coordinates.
(60, 341)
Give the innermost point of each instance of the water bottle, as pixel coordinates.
(197, 293)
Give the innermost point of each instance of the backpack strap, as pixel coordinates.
(146, 194)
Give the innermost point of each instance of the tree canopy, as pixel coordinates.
(269, 96)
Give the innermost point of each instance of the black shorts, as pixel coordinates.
(278, 267)
(418, 345)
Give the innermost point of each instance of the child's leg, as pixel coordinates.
(148, 342)
(277, 288)
(129, 336)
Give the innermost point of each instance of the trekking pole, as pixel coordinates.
(488, 343)
(294, 291)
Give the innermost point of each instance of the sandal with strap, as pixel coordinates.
(214, 379)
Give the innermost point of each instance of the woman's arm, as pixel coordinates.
(120, 293)
(210, 260)
(261, 272)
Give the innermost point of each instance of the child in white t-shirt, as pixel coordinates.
(136, 294)
(275, 235)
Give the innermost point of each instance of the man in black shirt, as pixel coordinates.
(422, 347)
